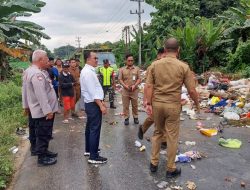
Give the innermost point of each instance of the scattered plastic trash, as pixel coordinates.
(143, 148)
(230, 143)
(231, 116)
(243, 184)
(182, 158)
(191, 185)
(13, 149)
(193, 167)
(119, 114)
(113, 123)
(176, 187)
(20, 131)
(163, 152)
(191, 143)
(138, 144)
(209, 132)
(162, 184)
(194, 154)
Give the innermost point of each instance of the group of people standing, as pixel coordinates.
(43, 85)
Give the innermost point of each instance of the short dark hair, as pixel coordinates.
(160, 50)
(72, 59)
(51, 58)
(86, 55)
(128, 55)
(171, 45)
(77, 60)
(105, 61)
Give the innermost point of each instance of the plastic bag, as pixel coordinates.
(209, 132)
(230, 143)
(231, 116)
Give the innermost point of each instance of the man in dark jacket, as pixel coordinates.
(66, 83)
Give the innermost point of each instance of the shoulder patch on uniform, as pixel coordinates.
(39, 77)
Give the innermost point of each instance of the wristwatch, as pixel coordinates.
(149, 104)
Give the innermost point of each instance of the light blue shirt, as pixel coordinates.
(91, 88)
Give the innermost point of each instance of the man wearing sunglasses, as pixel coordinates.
(129, 78)
(93, 95)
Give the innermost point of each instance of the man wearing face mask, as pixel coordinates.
(129, 78)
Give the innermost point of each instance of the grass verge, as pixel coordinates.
(11, 117)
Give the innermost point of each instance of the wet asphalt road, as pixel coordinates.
(128, 168)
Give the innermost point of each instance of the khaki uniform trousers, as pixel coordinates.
(149, 121)
(167, 120)
(77, 90)
(126, 98)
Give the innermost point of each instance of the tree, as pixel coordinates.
(199, 41)
(64, 52)
(13, 32)
(238, 22)
(211, 8)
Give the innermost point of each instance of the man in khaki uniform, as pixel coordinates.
(75, 72)
(149, 121)
(129, 78)
(165, 80)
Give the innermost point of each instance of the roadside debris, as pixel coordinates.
(243, 184)
(13, 149)
(193, 167)
(162, 184)
(191, 185)
(230, 143)
(208, 132)
(191, 143)
(140, 146)
(20, 131)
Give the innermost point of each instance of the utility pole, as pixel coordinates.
(139, 12)
(126, 35)
(78, 42)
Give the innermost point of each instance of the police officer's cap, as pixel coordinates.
(65, 65)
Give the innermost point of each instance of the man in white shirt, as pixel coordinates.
(93, 95)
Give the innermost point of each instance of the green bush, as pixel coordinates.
(11, 117)
(240, 60)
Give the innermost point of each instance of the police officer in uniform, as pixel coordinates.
(40, 99)
(164, 83)
(129, 78)
(107, 79)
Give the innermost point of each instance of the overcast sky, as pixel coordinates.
(92, 20)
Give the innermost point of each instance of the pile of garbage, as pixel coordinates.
(228, 98)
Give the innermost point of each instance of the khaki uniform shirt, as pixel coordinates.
(167, 76)
(38, 93)
(129, 76)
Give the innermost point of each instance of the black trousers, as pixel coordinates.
(43, 129)
(110, 90)
(32, 134)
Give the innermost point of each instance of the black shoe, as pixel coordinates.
(46, 161)
(33, 153)
(51, 154)
(140, 133)
(136, 121)
(112, 106)
(98, 160)
(163, 145)
(126, 122)
(173, 174)
(153, 168)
